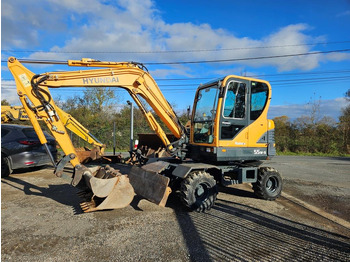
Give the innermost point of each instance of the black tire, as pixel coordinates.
(5, 167)
(199, 191)
(269, 184)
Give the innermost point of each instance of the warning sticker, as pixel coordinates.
(24, 79)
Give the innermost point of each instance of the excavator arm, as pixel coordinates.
(33, 91)
(77, 128)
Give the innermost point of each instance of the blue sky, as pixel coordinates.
(177, 31)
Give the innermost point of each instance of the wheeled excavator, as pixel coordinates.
(13, 113)
(229, 136)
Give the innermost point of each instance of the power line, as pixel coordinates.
(256, 76)
(195, 85)
(271, 81)
(253, 76)
(276, 81)
(172, 51)
(197, 62)
(309, 79)
(244, 59)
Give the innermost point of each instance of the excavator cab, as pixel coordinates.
(229, 121)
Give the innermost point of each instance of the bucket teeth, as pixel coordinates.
(88, 206)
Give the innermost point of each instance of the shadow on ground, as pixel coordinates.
(236, 232)
(61, 193)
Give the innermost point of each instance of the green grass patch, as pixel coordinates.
(288, 153)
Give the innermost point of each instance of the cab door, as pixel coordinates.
(234, 113)
(258, 123)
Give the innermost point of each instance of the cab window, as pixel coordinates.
(259, 95)
(234, 106)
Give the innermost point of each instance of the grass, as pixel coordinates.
(288, 153)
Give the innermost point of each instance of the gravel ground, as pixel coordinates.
(320, 181)
(41, 220)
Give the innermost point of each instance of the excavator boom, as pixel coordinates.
(129, 76)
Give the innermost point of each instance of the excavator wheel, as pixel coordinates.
(199, 191)
(269, 184)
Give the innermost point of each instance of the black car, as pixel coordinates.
(21, 148)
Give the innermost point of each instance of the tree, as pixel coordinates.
(283, 133)
(122, 120)
(344, 125)
(310, 133)
(98, 99)
(4, 102)
(347, 95)
(95, 111)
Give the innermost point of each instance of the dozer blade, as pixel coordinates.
(113, 190)
(150, 185)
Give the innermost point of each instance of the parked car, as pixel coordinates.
(21, 148)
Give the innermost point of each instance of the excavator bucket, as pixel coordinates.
(148, 183)
(107, 189)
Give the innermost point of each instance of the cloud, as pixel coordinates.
(9, 92)
(345, 13)
(331, 108)
(22, 23)
(104, 26)
(336, 57)
(165, 72)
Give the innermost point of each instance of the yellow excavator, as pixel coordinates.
(229, 136)
(12, 113)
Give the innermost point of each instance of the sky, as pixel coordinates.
(301, 47)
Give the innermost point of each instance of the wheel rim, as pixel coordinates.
(201, 192)
(272, 184)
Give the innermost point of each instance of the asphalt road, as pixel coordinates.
(41, 220)
(321, 181)
(332, 171)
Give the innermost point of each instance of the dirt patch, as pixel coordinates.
(332, 199)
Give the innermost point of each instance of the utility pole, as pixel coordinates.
(131, 125)
(114, 142)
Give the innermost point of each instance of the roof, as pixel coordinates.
(16, 126)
